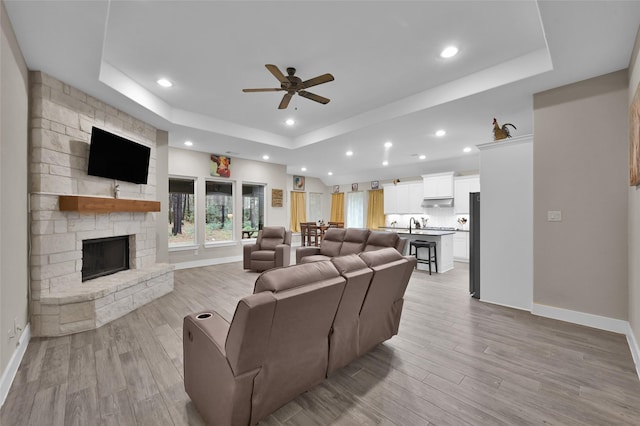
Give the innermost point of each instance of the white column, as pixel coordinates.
(506, 222)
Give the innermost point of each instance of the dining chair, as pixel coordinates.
(304, 230)
(337, 224)
(313, 234)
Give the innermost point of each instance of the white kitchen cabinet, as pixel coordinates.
(463, 185)
(416, 195)
(402, 205)
(461, 246)
(390, 199)
(403, 198)
(438, 185)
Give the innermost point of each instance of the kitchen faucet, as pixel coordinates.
(412, 219)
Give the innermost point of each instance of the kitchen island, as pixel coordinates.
(442, 238)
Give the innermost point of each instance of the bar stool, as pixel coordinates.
(432, 258)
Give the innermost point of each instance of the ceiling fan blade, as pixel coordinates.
(262, 90)
(284, 103)
(313, 97)
(277, 73)
(324, 78)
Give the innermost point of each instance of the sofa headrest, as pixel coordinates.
(379, 257)
(280, 279)
(332, 241)
(381, 239)
(334, 234)
(348, 263)
(354, 241)
(270, 237)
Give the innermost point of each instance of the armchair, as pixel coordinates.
(272, 249)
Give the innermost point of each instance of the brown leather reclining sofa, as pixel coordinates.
(343, 241)
(301, 323)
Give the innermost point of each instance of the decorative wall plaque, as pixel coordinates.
(276, 197)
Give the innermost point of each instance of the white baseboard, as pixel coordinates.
(582, 318)
(633, 346)
(595, 321)
(12, 368)
(207, 262)
(520, 308)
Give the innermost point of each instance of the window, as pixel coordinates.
(252, 209)
(219, 211)
(355, 210)
(315, 207)
(181, 212)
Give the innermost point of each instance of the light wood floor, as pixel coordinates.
(456, 361)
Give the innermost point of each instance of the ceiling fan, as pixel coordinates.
(293, 84)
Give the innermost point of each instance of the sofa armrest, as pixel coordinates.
(246, 258)
(306, 251)
(283, 255)
(220, 397)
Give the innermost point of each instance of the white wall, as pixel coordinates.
(162, 194)
(506, 222)
(187, 163)
(13, 193)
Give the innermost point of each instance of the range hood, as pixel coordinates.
(437, 202)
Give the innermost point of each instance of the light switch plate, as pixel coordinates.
(554, 216)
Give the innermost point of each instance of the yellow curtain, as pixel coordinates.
(298, 210)
(375, 214)
(337, 207)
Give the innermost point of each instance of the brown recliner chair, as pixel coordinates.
(275, 348)
(272, 249)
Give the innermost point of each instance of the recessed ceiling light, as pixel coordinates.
(265, 157)
(449, 52)
(385, 163)
(467, 149)
(164, 82)
(388, 144)
(440, 133)
(188, 143)
(349, 153)
(422, 157)
(290, 122)
(304, 169)
(330, 173)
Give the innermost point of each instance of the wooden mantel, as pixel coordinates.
(81, 204)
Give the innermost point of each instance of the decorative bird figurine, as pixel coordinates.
(501, 132)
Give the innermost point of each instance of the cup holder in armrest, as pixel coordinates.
(204, 315)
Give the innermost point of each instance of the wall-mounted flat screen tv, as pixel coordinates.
(114, 157)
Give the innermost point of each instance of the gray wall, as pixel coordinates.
(13, 189)
(634, 215)
(581, 168)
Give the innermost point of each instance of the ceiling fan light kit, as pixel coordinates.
(293, 84)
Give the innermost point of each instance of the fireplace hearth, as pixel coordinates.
(104, 256)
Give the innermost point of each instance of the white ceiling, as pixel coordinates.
(390, 83)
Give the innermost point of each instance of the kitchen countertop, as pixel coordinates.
(419, 231)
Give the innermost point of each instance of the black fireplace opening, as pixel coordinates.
(104, 256)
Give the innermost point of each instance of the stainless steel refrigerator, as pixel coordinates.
(474, 244)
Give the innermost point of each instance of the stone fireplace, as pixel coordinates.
(62, 301)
